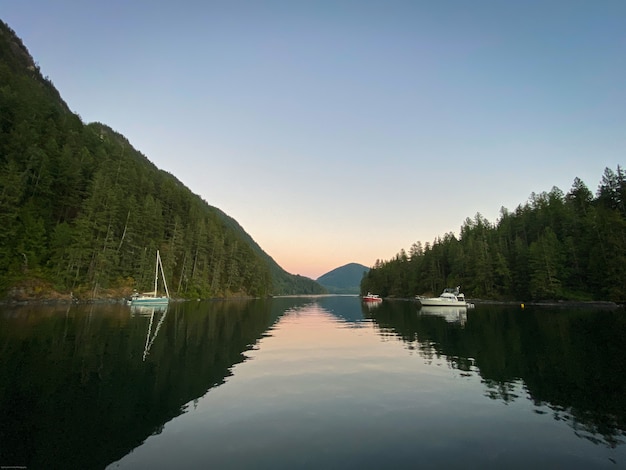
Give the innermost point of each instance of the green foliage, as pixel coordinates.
(82, 209)
(554, 247)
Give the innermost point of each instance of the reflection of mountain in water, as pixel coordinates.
(89, 360)
(343, 307)
(572, 361)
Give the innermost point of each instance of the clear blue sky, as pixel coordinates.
(344, 131)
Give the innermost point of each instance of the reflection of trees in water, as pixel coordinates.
(507, 392)
(75, 391)
(422, 333)
(597, 428)
(569, 361)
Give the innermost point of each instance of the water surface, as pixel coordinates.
(310, 383)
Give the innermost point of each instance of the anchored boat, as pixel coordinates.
(372, 298)
(448, 298)
(153, 298)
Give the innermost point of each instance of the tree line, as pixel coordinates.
(555, 246)
(81, 210)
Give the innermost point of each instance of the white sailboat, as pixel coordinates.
(153, 298)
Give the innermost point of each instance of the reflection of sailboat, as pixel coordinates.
(151, 336)
(152, 298)
(147, 310)
(449, 314)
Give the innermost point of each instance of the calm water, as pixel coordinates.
(311, 383)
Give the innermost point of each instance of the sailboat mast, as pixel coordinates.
(167, 292)
(156, 272)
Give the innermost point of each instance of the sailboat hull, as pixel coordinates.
(149, 301)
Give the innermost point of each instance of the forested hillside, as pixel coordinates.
(556, 246)
(82, 211)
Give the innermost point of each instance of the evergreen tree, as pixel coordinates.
(83, 210)
(554, 246)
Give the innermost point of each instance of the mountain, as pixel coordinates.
(344, 280)
(83, 212)
(283, 283)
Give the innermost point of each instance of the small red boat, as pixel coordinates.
(371, 298)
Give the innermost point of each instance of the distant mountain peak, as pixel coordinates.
(345, 279)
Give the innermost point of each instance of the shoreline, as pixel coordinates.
(538, 303)
(123, 300)
(103, 301)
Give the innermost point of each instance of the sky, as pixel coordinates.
(344, 131)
